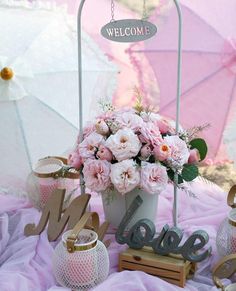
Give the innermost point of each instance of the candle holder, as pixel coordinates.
(49, 174)
(226, 234)
(80, 260)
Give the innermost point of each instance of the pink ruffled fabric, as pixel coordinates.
(26, 261)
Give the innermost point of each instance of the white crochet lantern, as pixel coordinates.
(48, 175)
(226, 234)
(80, 262)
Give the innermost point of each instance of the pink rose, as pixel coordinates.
(124, 144)
(146, 151)
(179, 151)
(164, 126)
(104, 153)
(125, 176)
(75, 160)
(89, 145)
(96, 174)
(101, 127)
(194, 156)
(149, 133)
(154, 177)
(88, 129)
(129, 120)
(162, 152)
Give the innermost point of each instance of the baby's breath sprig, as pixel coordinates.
(189, 134)
(194, 131)
(106, 105)
(113, 126)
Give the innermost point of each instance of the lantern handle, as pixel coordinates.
(72, 237)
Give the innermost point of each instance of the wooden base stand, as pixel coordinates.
(172, 269)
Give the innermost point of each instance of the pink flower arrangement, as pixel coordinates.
(125, 149)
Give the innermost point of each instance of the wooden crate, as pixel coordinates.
(172, 269)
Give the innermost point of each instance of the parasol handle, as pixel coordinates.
(175, 205)
(82, 186)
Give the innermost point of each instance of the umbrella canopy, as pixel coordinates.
(40, 47)
(95, 15)
(208, 75)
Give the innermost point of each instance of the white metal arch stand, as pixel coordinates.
(175, 205)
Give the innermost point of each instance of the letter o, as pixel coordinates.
(133, 31)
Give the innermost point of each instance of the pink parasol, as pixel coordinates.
(95, 15)
(208, 73)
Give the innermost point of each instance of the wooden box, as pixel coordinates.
(172, 269)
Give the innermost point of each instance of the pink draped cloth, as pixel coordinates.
(26, 262)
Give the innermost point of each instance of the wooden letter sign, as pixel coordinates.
(128, 30)
(168, 240)
(57, 220)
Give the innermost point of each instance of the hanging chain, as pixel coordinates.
(112, 10)
(144, 10)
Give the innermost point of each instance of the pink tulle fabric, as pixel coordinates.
(26, 262)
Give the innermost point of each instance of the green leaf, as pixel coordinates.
(200, 145)
(189, 172)
(171, 175)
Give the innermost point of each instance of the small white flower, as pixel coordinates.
(125, 176)
(124, 144)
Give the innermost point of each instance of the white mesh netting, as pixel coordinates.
(81, 270)
(226, 236)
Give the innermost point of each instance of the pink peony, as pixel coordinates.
(194, 156)
(154, 177)
(179, 151)
(104, 153)
(146, 151)
(124, 144)
(101, 127)
(162, 152)
(97, 174)
(125, 176)
(89, 145)
(149, 133)
(129, 120)
(75, 160)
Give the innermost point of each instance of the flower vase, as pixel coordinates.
(115, 206)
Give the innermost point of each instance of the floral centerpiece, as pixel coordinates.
(136, 148)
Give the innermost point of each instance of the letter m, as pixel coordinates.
(52, 213)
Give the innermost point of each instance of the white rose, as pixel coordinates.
(124, 144)
(125, 176)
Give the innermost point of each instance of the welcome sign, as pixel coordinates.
(128, 30)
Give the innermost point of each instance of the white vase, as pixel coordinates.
(115, 206)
